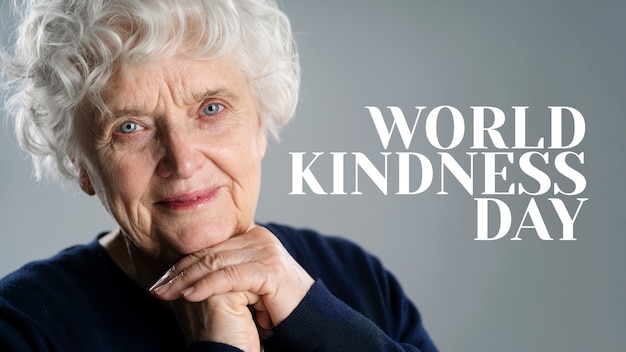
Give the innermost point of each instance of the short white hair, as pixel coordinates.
(67, 52)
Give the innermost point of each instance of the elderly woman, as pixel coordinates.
(161, 109)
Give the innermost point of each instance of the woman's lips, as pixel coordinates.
(188, 200)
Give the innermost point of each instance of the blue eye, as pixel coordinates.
(212, 109)
(129, 127)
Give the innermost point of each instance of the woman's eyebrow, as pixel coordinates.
(224, 93)
(117, 113)
(216, 93)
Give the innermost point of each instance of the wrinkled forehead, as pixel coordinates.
(177, 80)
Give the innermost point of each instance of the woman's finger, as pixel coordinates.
(280, 290)
(190, 272)
(245, 240)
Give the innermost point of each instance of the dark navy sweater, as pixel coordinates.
(79, 300)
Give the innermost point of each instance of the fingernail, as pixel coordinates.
(161, 289)
(188, 291)
(163, 278)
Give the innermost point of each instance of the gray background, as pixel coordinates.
(474, 296)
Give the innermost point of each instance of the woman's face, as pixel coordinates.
(178, 162)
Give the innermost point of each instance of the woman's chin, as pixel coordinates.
(192, 240)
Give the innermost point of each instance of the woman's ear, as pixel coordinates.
(84, 181)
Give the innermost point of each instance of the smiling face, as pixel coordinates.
(178, 162)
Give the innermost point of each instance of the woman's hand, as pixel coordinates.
(251, 269)
(221, 318)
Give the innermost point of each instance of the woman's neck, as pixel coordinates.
(139, 266)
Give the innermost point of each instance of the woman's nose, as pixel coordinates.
(181, 157)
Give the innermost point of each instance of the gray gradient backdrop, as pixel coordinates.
(474, 296)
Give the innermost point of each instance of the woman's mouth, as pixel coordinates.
(188, 201)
